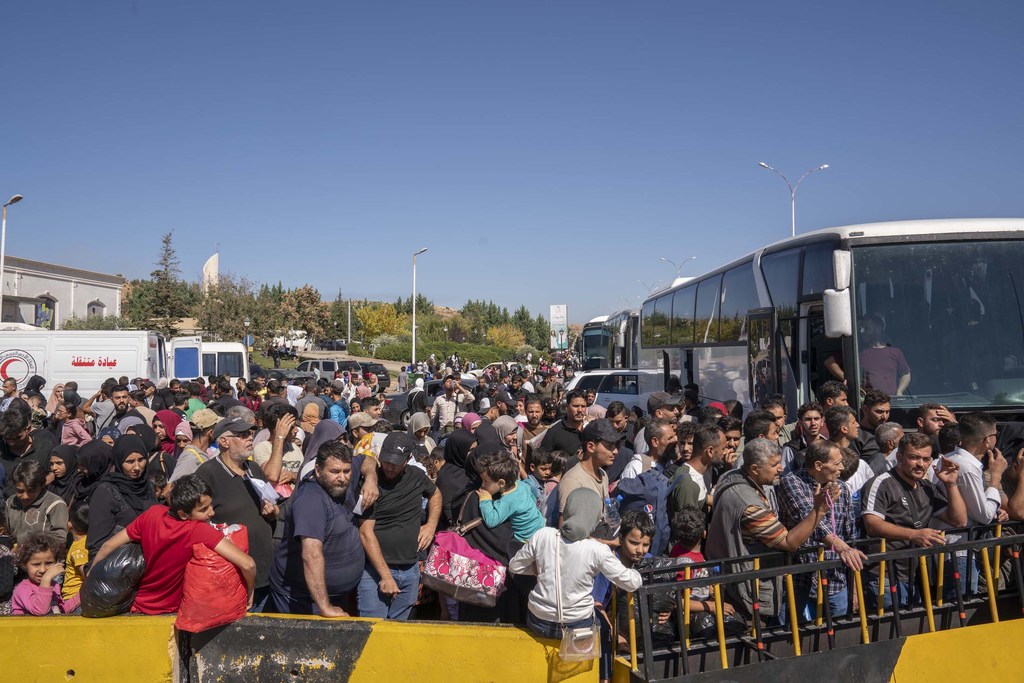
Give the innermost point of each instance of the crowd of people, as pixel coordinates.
(341, 508)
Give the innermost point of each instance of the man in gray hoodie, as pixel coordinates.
(745, 522)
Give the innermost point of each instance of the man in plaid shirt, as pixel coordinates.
(822, 466)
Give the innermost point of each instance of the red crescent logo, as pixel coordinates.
(6, 364)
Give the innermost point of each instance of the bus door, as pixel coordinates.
(819, 352)
(184, 356)
(762, 354)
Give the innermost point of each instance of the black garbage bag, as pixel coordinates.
(110, 586)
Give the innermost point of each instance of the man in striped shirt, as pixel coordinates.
(744, 522)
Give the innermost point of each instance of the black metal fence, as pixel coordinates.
(939, 601)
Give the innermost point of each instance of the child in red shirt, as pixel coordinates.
(167, 536)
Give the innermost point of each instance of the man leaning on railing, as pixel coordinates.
(745, 523)
(901, 505)
(823, 462)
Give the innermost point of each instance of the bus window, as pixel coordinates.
(818, 268)
(739, 295)
(647, 325)
(620, 384)
(682, 316)
(706, 316)
(661, 321)
(782, 274)
(588, 382)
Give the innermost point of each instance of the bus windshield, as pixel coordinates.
(596, 348)
(948, 314)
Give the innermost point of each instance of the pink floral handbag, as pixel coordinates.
(460, 571)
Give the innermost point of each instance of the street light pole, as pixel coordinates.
(415, 254)
(792, 190)
(3, 248)
(673, 263)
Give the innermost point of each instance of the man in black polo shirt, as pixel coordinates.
(391, 532)
(900, 505)
(237, 482)
(566, 435)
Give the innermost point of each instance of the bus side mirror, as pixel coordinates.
(838, 314)
(841, 267)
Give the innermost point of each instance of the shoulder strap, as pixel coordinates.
(558, 579)
(463, 528)
(51, 505)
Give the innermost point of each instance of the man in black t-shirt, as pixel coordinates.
(391, 533)
(901, 504)
(20, 443)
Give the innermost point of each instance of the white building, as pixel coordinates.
(46, 295)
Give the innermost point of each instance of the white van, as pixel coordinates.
(191, 357)
(88, 358)
(631, 387)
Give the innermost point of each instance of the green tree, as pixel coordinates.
(222, 311)
(98, 322)
(302, 309)
(378, 319)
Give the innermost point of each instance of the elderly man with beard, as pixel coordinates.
(318, 565)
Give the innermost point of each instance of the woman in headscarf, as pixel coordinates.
(122, 495)
(310, 418)
(56, 398)
(165, 422)
(419, 430)
(159, 459)
(64, 466)
(457, 477)
(109, 435)
(327, 430)
(34, 387)
(579, 559)
(94, 460)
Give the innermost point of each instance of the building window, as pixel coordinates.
(96, 308)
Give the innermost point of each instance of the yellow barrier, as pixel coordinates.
(83, 650)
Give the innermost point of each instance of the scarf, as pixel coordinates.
(310, 416)
(326, 431)
(94, 458)
(504, 426)
(581, 514)
(64, 487)
(137, 493)
(170, 421)
(417, 422)
(55, 400)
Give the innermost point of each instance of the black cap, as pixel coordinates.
(235, 425)
(506, 398)
(602, 430)
(397, 448)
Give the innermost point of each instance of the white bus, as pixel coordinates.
(946, 293)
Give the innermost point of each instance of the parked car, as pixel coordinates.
(289, 376)
(256, 371)
(383, 377)
(396, 406)
(333, 345)
(632, 387)
(328, 367)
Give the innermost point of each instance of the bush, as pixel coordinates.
(526, 348)
(480, 353)
(385, 340)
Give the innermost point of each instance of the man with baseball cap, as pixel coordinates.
(391, 533)
(237, 500)
(600, 445)
(661, 405)
(195, 454)
(455, 399)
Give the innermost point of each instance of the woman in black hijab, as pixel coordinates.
(457, 477)
(94, 460)
(122, 495)
(64, 465)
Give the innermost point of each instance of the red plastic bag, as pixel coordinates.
(215, 592)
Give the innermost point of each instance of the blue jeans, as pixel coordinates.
(968, 580)
(906, 593)
(550, 629)
(807, 606)
(373, 603)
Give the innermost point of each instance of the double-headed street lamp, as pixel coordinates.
(673, 263)
(3, 247)
(415, 254)
(792, 190)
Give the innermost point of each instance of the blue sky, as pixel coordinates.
(545, 152)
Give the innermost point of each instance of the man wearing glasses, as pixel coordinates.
(238, 487)
(983, 501)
